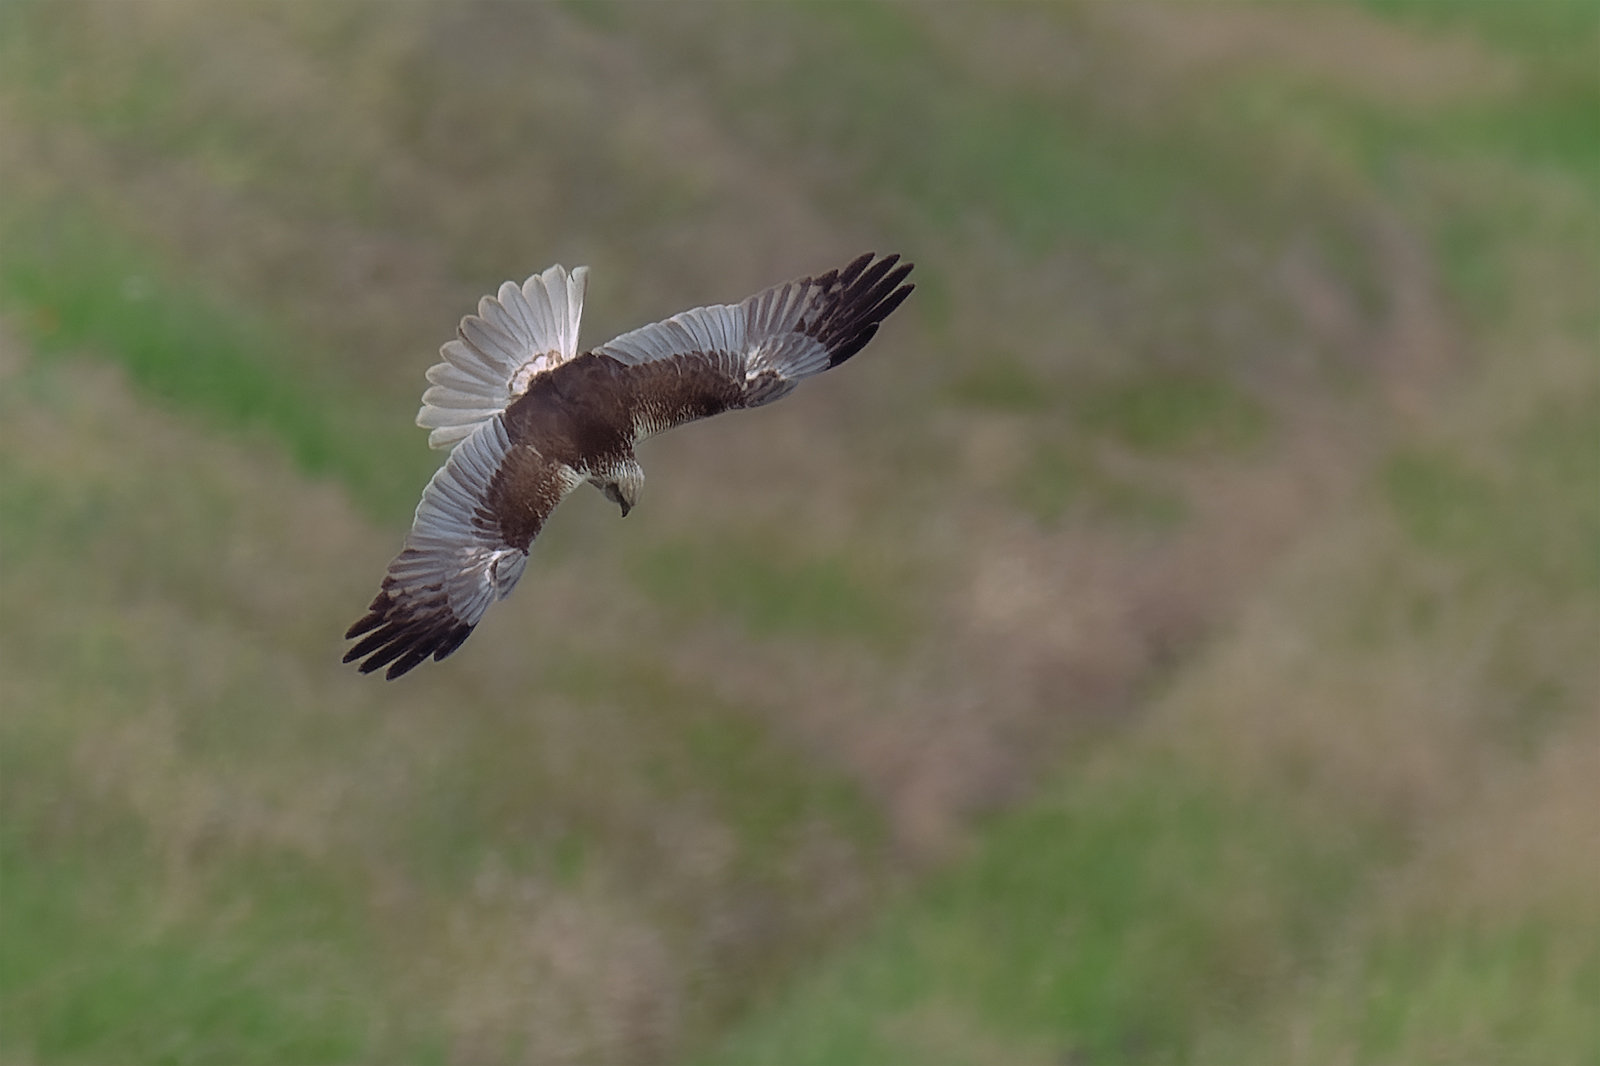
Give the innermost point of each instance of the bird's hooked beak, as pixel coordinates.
(614, 494)
(627, 481)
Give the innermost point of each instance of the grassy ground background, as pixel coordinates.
(1173, 641)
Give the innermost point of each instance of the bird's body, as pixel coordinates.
(530, 420)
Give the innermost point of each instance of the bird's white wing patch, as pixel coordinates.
(516, 334)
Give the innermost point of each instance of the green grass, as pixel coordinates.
(1536, 517)
(1161, 414)
(774, 595)
(1441, 505)
(495, 800)
(268, 963)
(874, 108)
(870, 85)
(1059, 940)
(70, 281)
(1002, 383)
(1078, 929)
(1153, 906)
(217, 845)
(1059, 478)
(1445, 992)
(1173, 413)
(140, 928)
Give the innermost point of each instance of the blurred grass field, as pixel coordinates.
(1173, 640)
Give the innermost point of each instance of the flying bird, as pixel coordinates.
(528, 420)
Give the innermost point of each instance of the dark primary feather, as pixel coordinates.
(854, 302)
(406, 633)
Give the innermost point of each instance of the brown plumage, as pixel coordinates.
(529, 420)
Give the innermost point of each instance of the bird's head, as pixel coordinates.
(625, 485)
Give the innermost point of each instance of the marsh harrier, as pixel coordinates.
(528, 420)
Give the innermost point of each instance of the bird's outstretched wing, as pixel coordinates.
(466, 549)
(710, 359)
(523, 331)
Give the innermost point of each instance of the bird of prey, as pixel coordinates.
(528, 420)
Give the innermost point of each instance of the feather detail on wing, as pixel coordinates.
(759, 348)
(520, 332)
(467, 547)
